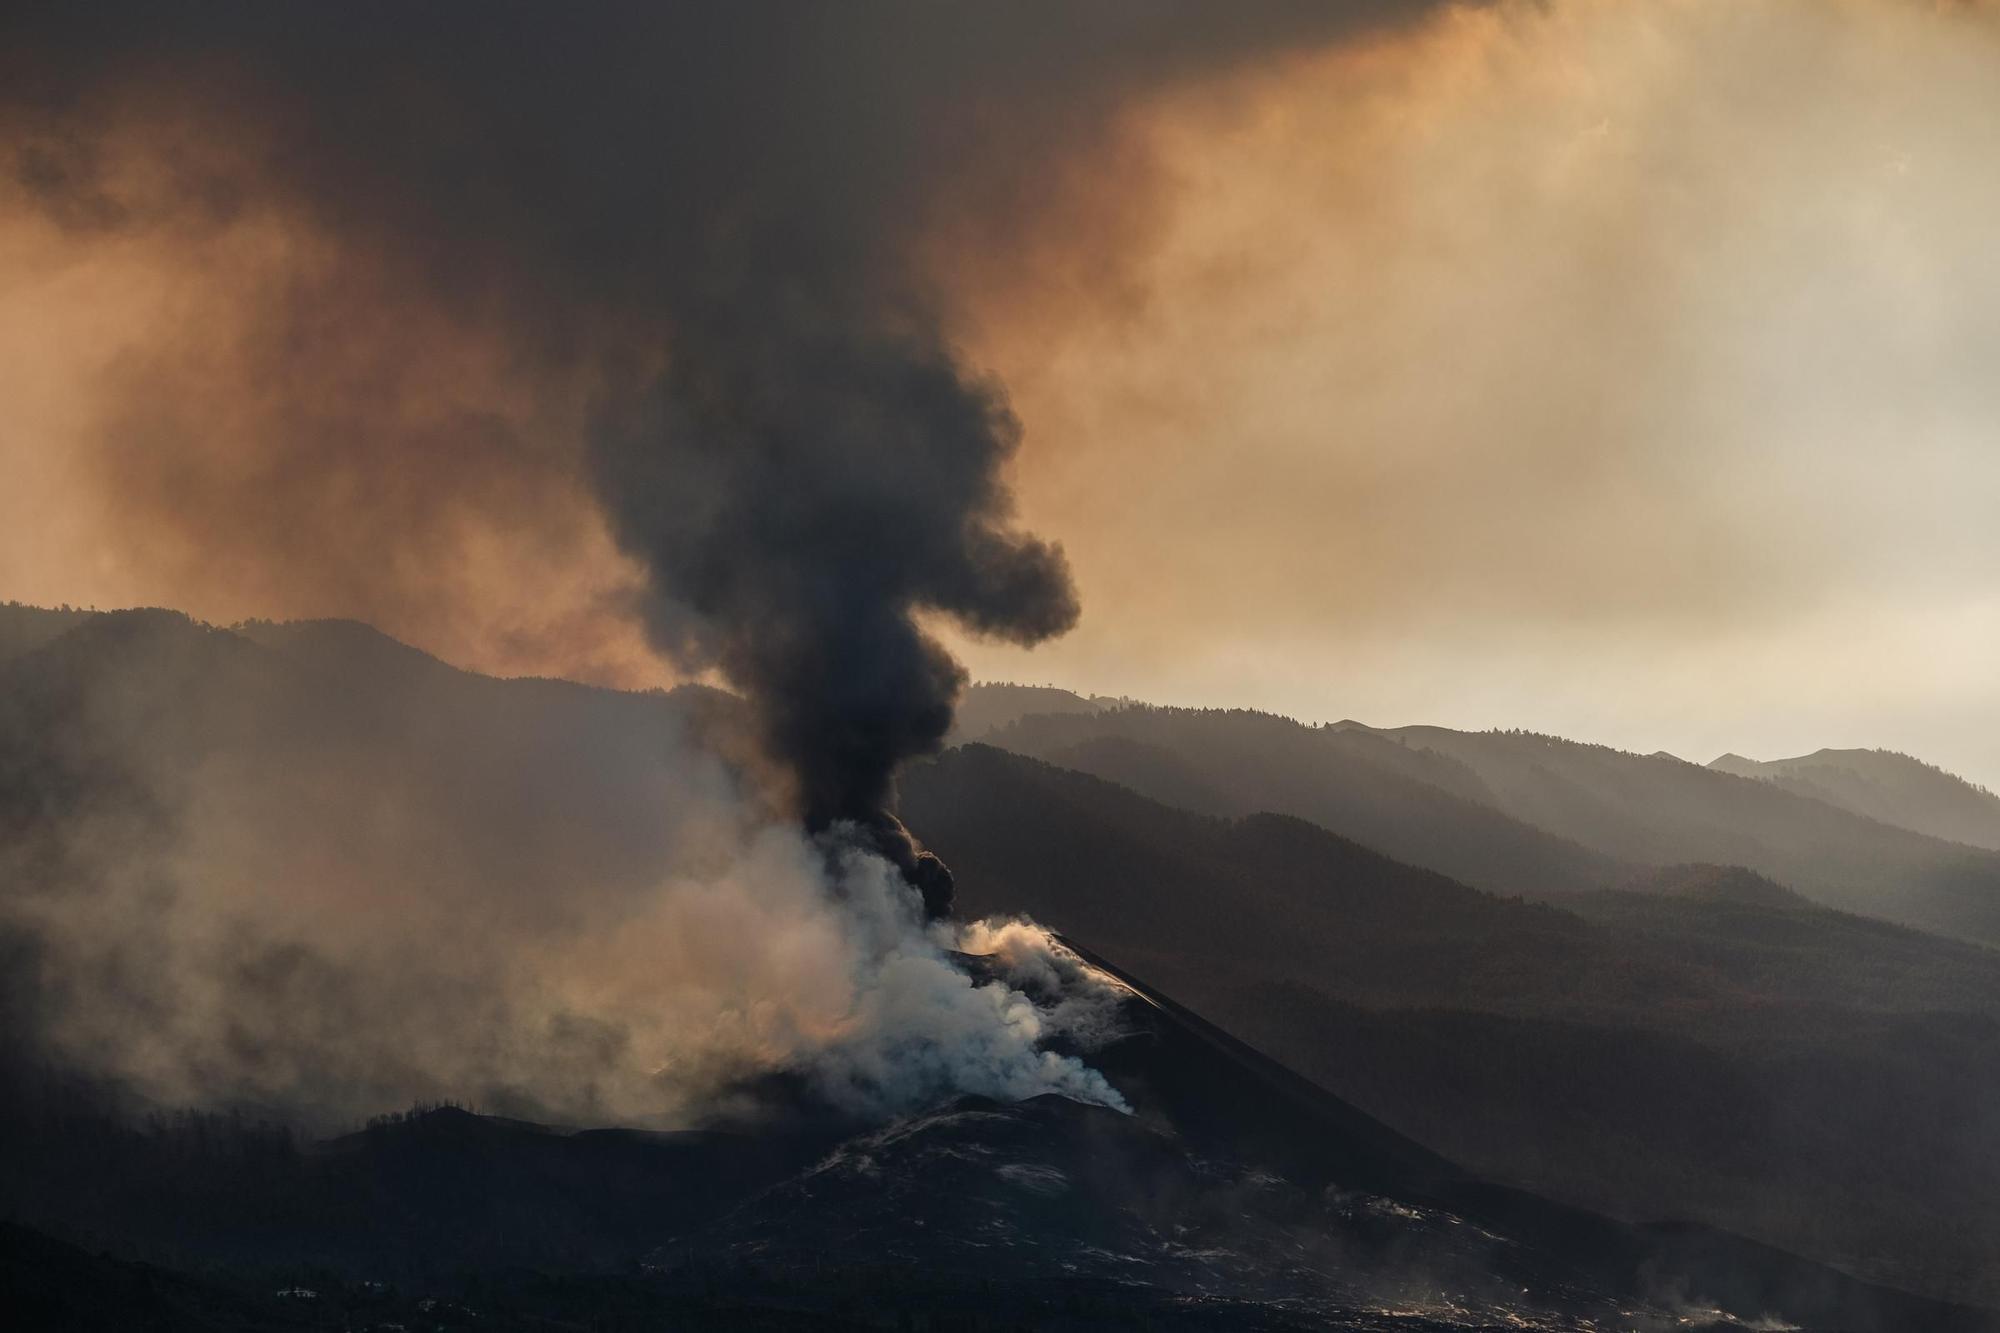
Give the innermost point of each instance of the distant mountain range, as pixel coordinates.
(1882, 784)
(1697, 1042)
(1626, 983)
(1517, 812)
(1720, 1043)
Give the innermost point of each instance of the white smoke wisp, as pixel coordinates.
(1081, 1004)
(920, 1028)
(337, 931)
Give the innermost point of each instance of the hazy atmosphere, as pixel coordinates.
(1619, 370)
(1608, 369)
(1235, 666)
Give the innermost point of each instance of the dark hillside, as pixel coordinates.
(1715, 1048)
(1519, 813)
(1712, 1048)
(1882, 784)
(1656, 809)
(1416, 808)
(26, 627)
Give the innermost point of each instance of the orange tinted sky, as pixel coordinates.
(1620, 368)
(1614, 369)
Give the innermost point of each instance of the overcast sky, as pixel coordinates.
(1622, 370)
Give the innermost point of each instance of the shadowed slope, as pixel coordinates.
(1882, 784)
(1416, 807)
(1715, 1047)
(1658, 809)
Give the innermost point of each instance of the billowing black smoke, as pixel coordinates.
(845, 483)
(707, 212)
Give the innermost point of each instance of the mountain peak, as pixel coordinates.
(1884, 785)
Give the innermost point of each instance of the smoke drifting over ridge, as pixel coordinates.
(305, 869)
(685, 240)
(430, 301)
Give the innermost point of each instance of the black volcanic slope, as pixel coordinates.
(1225, 1097)
(1237, 1195)
(1703, 1045)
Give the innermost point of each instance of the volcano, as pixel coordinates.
(1234, 1195)
(1212, 1186)
(1238, 1194)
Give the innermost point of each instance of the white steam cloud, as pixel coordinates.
(543, 900)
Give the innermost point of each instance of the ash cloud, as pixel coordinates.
(696, 230)
(461, 294)
(843, 486)
(303, 870)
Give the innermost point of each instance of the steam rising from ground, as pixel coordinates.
(328, 877)
(610, 316)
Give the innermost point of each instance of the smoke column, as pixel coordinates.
(677, 259)
(303, 868)
(707, 215)
(848, 484)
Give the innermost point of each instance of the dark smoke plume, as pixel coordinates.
(708, 214)
(845, 482)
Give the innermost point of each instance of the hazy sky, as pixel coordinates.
(1623, 370)
(1618, 368)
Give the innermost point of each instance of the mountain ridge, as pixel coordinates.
(1708, 1047)
(1521, 812)
(1886, 785)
